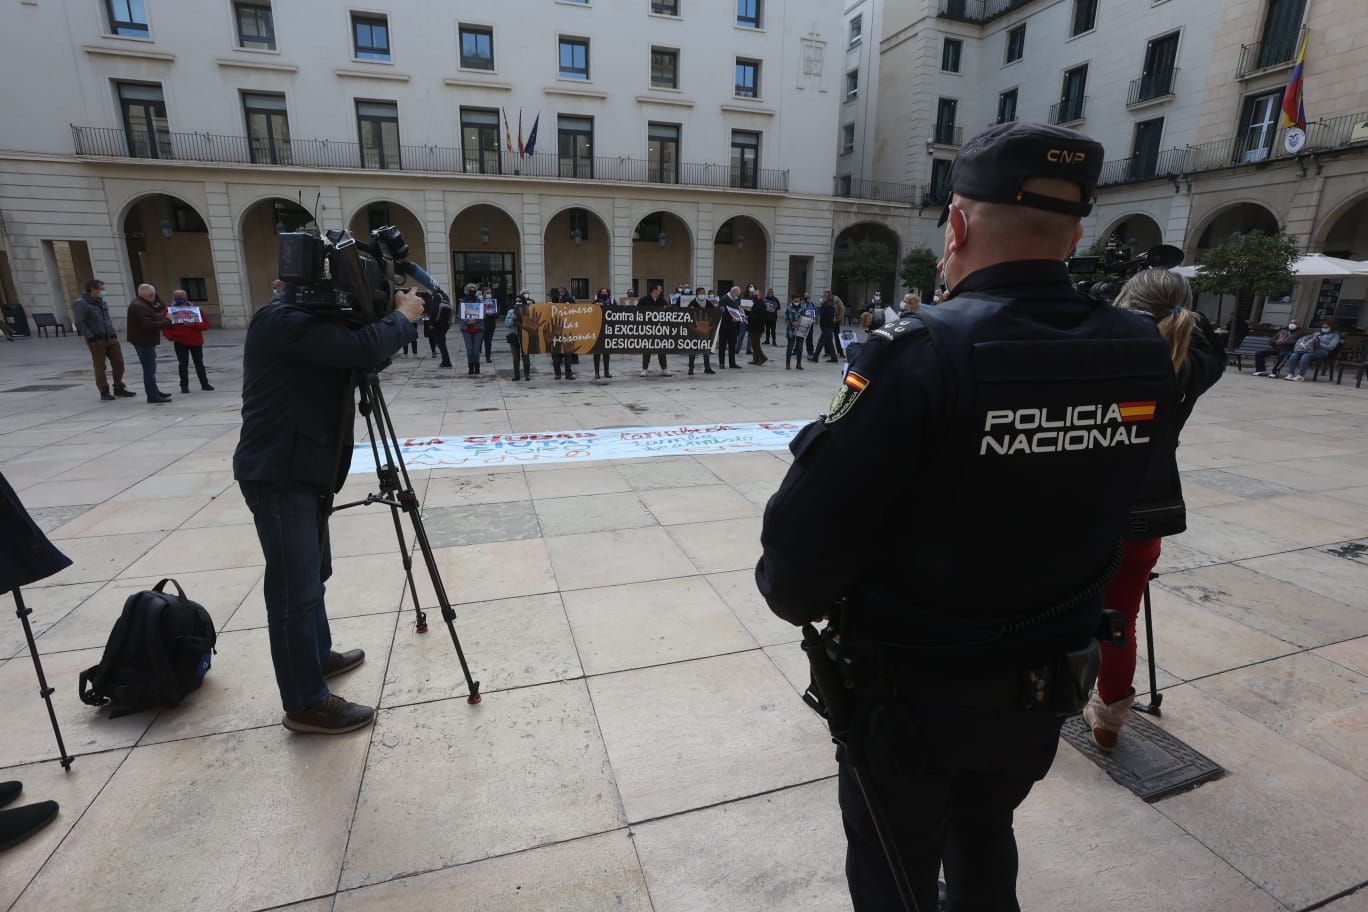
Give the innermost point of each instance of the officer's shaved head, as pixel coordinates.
(979, 234)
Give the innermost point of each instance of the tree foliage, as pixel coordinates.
(869, 261)
(1251, 263)
(918, 271)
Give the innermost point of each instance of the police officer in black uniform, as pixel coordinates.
(1020, 417)
(298, 410)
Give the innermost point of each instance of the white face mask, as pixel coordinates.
(1291, 325)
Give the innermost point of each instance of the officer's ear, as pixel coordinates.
(958, 224)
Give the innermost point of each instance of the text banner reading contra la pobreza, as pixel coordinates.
(476, 450)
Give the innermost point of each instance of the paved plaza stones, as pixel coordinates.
(641, 745)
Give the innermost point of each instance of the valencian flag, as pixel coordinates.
(508, 136)
(1293, 110)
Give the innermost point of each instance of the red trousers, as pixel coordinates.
(1123, 596)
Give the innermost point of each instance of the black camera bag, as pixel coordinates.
(158, 652)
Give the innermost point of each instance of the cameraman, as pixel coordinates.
(298, 408)
(1031, 414)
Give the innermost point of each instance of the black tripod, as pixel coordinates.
(1156, 698)
(44, 690)
(396, 492)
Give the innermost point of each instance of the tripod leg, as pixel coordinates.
(408, 500)
(1156, 698)
(420, 616)
(44, 690)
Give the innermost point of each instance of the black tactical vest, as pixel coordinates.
(1021, 498)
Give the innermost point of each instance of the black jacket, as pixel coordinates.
(26, 555)
(1160, 510)
(298, 393)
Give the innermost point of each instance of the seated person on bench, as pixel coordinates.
(1280, 347)
(1311, 348)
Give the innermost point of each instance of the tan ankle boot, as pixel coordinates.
(1106, 720)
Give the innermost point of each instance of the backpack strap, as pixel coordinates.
(94, 681)
(161, 587)
(163, 678)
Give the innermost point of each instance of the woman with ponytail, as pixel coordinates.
(1198, 360)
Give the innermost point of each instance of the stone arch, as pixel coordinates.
(486, 248)
(854, 292)
(260, 222)
(1259, 217)
(741, 250)
(1323, 238)
(1140, 231)
(361, 222)
(166, 242)
(658, 255)
(583, 263)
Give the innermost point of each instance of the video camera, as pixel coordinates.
(1117, 264)
(337, 275)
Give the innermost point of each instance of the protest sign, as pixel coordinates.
(491, 307)
(184, 313)
(472, 310)
(477, 450)
(589, 328)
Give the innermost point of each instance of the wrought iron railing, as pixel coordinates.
(1152, 86)
(879, 191)
(977, 10)
(112, 142)
(1068, 110)
(1273, 51)
(947, 135)
(1250, 147)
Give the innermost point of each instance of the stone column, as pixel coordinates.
(623, 227)
(236, 301)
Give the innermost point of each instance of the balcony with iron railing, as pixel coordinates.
(1067, 111)
(1250, 147)
(878, 191)
(977, 10)
(1273, 52)
(1152, 87)
(943, 134)
(211, 148)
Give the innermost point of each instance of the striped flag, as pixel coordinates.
(521, 153)
(1136, 411)
(1293, 110)
(508, 136)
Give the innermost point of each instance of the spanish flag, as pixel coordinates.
(856, 381)
(1293, 110)
(1136, 411)
(508, 135)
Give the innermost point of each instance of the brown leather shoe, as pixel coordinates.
(340, 662)
(332, 716)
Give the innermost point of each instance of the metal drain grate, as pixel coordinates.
(1148, 760)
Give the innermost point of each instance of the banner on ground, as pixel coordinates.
(476, 450)
(589, 328)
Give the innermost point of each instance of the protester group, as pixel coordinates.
(747, 321)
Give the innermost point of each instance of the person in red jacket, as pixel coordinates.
(189, 341)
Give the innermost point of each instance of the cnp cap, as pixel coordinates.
(995, 165)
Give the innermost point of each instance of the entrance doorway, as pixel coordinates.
(497, 269)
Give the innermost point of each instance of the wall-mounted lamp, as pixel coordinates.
(931, 145)
(167, 228)
(740, 242)
(661, 239)
(484, 234)
(577, 236)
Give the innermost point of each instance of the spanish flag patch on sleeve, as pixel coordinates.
(858, 382)
(1136, 411)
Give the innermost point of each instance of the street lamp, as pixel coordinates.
(484, 235)
(740, 242)
(167, 229)
(577, 236)
(660, 239)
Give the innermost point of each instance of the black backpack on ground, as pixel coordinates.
(158, 652)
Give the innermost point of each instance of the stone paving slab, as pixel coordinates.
(641, 744)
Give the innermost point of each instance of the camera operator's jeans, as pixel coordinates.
(292, 524)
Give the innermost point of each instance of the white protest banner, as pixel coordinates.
(477, 450)
(185, 313)
(472, 310)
